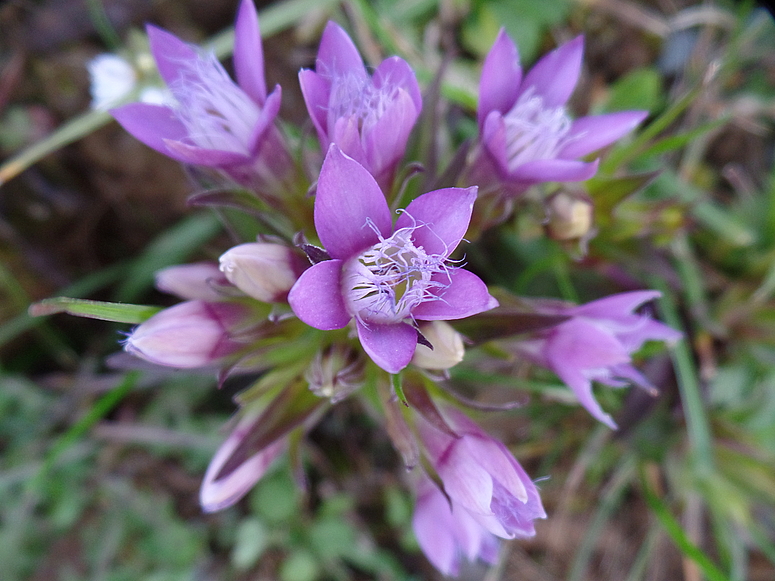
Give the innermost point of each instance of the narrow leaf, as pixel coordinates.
(116, 312)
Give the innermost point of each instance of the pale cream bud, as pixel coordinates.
(569, 216)
(447, 344)
(262, 270)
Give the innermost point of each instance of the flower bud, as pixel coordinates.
(447, 349)
(198, 281)
(189, 335)
(569, 216)
(335, 372)
(262, 270)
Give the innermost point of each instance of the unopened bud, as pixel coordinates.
(447, 349)
(335, 372)
(198, 281)
(569, 216)
(262, 270)
(189, 335)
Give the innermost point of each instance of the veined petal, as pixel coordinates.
(316, 298)
(249, 53)
(151, 124)
(169, 52)
(556, 74)
(554, 170)
(466, 481)
(589, 134)
(389, 346)
(385, 141)
(441, 217)
(501, 76)
(337, 54)
(396, 71)
(316, 91)
(348, 206)
(466, 295)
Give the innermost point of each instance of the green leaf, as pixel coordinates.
(638, 89)
(115, 312)
(607, 192)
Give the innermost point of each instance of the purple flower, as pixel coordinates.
(524, 125)
(482, 477)
(386, 277)
(219, 493)
(447, 532)
(189, 335)
(596, 344)
(214, 122)
(368, 117)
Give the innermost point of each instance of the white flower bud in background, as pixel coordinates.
(112, 79)
(447, 344)
(262, 270)
(569, 216)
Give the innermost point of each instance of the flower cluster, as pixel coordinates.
(360, 278)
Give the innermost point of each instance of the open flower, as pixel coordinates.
(596, 344)
(482, 477)
(524, 125)
(386, 277)
(368, 117)
(447, 533)
(215, 122)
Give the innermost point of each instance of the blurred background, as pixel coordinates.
(100, 465)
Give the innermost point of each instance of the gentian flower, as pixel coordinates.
(368, 117)
(482, 477)
(386, 277)
(214, 122)
(596, 344)
(262, 270)
(526, 132)
(447, 532)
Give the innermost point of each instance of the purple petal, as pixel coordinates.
(465, 481)
(494, 140)
(389, 346)
(648, 330)
(348, 205)
(395, 71)
(615, 305)
(347, 136)
(337, 54)
(433, 524)
(153, 125)
(197, 281)
(556, 74)
(466, 295)
(206, 157)
(170, 53)
(589, 134)
(491, 457)
(554, 170)
(249, 53)
(582, 387)
(583, 345)
(265, 119)
(501, 76)
(441, 217)
(316, 90)
(385, 141)
(316, 298)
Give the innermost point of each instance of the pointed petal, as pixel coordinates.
(337, 54)
(501, 76)
(616, 305)
(582, 387)
(171, 53)
(589, 134)
(347, 137)
(316, 298)
(648, 330)
(316, 91)
(153, 125)
(265, 119)
(465, 481)
(395, 71)
(491, 457)
(554, 170)
(389, 346)
(442, 218)
(385, 141)
(494, 140)
(556, 74)
(466, 295)
(348, 204)
(583, 345)
(249, 53)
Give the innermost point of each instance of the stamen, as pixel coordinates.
(534, 131)
(356, 96)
